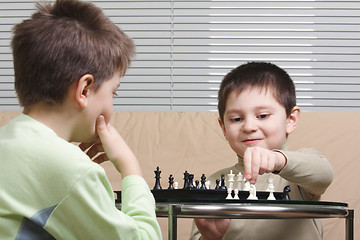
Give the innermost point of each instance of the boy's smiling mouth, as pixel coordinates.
(252, 140)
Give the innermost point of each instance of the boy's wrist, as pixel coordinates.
(281, 163)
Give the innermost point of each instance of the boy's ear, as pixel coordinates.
(82, 91)
(222, 127)
(293, 120)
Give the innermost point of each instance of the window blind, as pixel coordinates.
(185, 47)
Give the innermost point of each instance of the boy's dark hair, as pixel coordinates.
(258, 74)
(62, 42)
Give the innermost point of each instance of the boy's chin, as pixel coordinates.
(89, 138)
(93, 137)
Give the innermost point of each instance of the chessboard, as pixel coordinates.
(199, 191)
(207, 195)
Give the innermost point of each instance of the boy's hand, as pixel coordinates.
(212, 229)
(111, 146)
(258, 160)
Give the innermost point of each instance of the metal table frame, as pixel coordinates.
(253, 210)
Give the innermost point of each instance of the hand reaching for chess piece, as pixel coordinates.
(259, 160)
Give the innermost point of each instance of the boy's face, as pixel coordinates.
(100, 102)
(255, 118)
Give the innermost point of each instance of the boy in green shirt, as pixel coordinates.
(68, 60)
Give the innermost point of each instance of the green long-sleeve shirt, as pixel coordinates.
(51, 189)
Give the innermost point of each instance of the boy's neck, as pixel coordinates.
(58, 118)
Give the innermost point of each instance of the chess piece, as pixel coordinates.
(203, 182)
(286, 192)
(270, 185)
(239, 181)
(270, 188)
(217, 184)
(176, 185)
(271, 195)
(207, 184)
(157, 179)
(186, 180)
(231, 180)
(236, 193)
(197, 184)
(171, 182)
(191, 179)
(252, 193)
(231, 184)
(229, 194)
(222, 186)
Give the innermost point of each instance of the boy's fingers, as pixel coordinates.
(101, 126)
(247, 165)
(271, 164)
(255, 166)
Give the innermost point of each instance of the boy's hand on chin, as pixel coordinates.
(103, 147)
(115, 149)
(258, 160)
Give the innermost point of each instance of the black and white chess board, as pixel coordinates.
(199, 191)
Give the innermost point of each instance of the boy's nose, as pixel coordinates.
(250, 125)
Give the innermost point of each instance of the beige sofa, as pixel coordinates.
(193, 141)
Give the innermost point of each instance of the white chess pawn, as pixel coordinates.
(176, 185)
(252, 193)
(271, 194)
(229, 194)
(270, 185)
(236, 191)
(207, 184)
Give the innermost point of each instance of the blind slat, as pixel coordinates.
(185, 47)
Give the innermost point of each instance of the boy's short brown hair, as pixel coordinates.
(258, 74)
(62, 42)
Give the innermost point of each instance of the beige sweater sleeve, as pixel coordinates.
(309, 169)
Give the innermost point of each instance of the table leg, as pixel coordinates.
(350, 225)
(172, 222)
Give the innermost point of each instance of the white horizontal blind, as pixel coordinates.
(184, 48)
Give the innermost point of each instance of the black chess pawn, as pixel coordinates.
(223, 187)
(286, 192)
(203, 181)
(157, 179)
(197, 184)
(191, 181)
(171, 182)
(186, 180)
(217, 184)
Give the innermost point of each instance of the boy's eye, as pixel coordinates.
(263, 116)
(236, 119)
